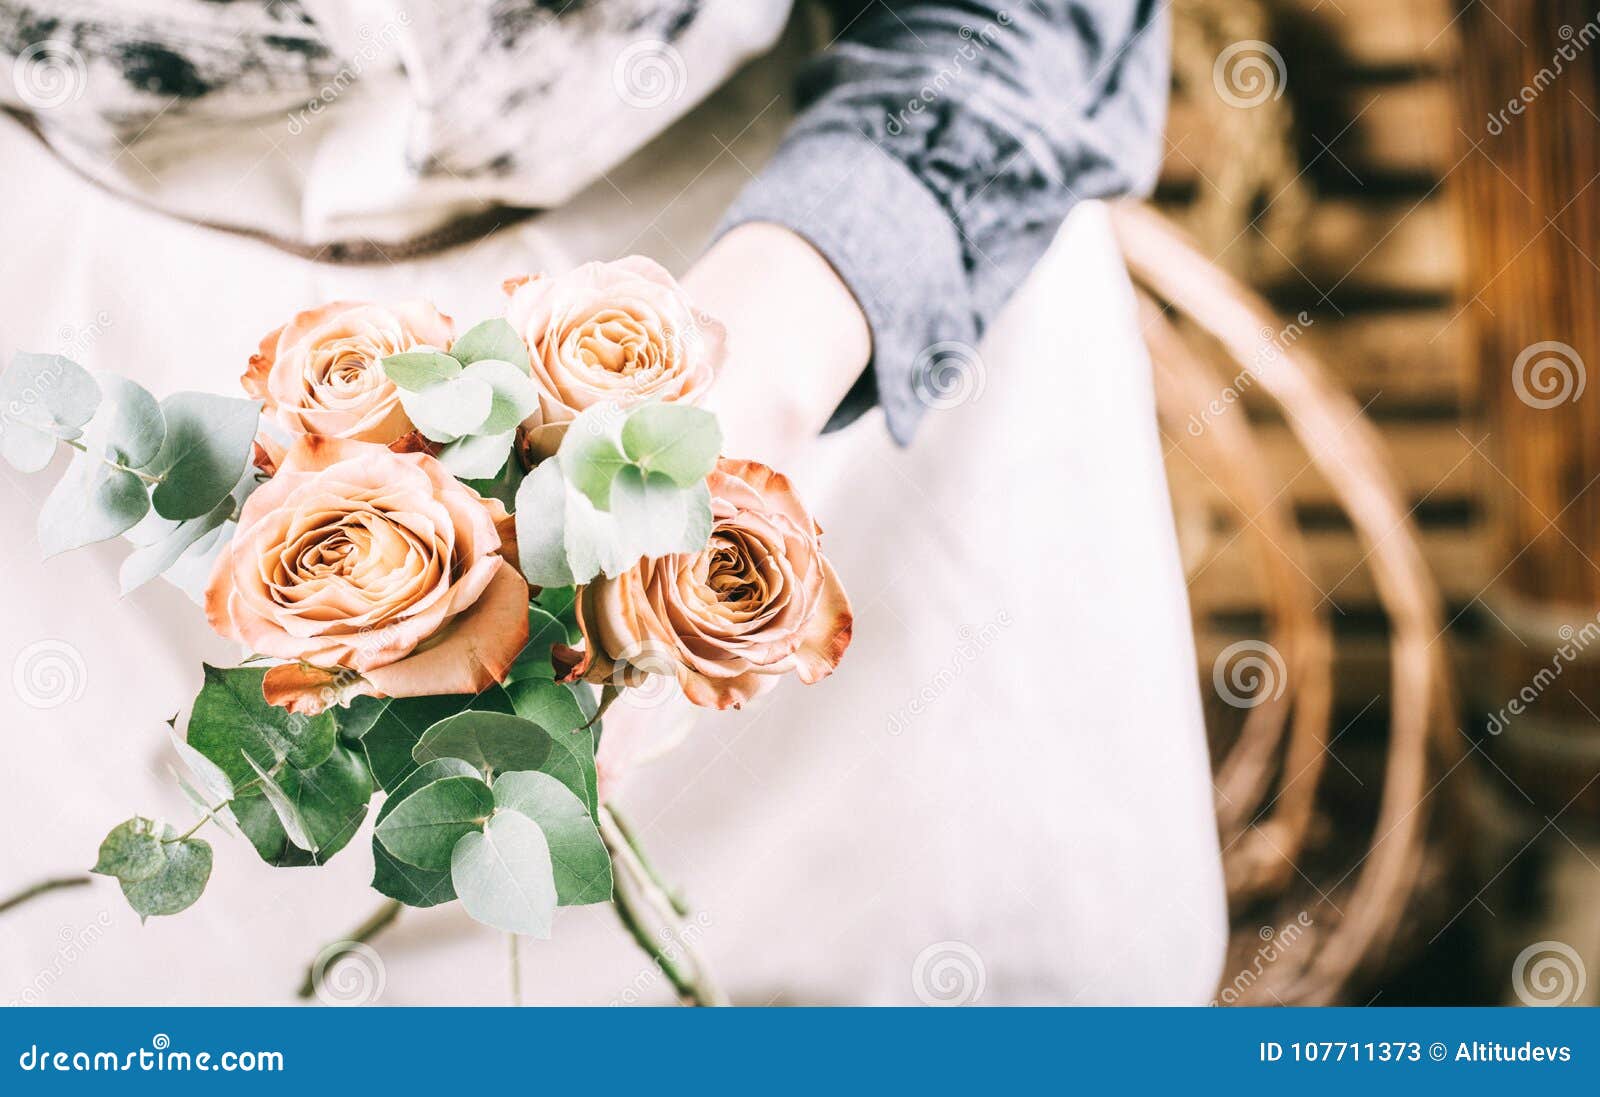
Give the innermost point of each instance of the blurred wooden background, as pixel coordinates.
(1323, 153)
(1356, 230)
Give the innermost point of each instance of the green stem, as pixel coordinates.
(363, 933)
(211, 813)
(629, 917)
(692, 978)
(516, 972)
(118, 465)
(680, 907)
(41, 888)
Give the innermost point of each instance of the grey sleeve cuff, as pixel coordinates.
(895, 247)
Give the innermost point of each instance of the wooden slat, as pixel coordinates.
(1227, 580)
(1404, 129)
(1377, 34)
(1407, 247)
(1431, 461)
(1412, 355)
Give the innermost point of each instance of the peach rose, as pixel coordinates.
(376, 572)
(621, 332)
(760, 600)
(319, 373)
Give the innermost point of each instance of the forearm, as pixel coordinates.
(939, 145)
(797, 339)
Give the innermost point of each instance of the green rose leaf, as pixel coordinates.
(505, 877)
(128, 426)
(132, 851)
(657, 517)
(206, 447)
(175, 887)
(581, 864)
(93, 502)
(411, 885)
(675, 440)
(544, 631)
(491, 741)
(449, 409)
(425, 826)
(492, 340)
(330, 800)
(231, 718)
(415, 370)
(478, 456)
(590, 454)
(356, 718)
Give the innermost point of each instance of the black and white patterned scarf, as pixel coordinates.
(433, 109)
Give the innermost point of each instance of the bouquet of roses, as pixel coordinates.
(446, 555)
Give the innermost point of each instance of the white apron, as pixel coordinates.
(1003, 796)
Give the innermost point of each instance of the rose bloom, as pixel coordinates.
(760, 600)
(376, 572)
(620, 332)
(319, 373)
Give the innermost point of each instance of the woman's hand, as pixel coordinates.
(797, 340)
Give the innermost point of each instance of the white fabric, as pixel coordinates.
(1008, 772)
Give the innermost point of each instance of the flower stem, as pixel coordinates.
(629, 917)
(516, 972)
(41, 888)
(626, 829)
(691, 978)
(366, 931)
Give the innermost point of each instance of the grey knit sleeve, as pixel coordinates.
(938, 147)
